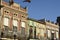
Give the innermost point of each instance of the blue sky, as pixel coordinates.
(39, 9)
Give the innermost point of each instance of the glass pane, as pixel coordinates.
(49, 33)
(30, 32)
(57, 34)
(14, 28)
(30, 22)
(34, 23)
(23, 24)
(14, 22)
(6, 28)
(22, 30)
(6, 21)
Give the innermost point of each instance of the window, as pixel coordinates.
(6, 24)
(15, 14)
(23, 16)
(23, 24)
(6, 11)
(57, 35)
(22, 30)
(14, 28)
(42, 32)
(6, 28)
(30, 22)
(34, 23)
(6, 21)
(49, 33)
(30, 32)
(15, 25)
(35, 32)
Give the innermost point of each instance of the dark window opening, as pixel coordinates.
(30, 32)
(15, 14)
(14, 28)
(6, 28)
(35, 32)
(6, 12)
(22, 30)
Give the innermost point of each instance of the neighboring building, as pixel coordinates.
(32, 27)
(38, 29)
(58, 21)
(52, 30)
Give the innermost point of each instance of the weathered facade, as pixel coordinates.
(13, 20)
(38, 29)
(15, 24)
(52, 30)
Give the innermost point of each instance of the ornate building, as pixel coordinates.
(13, 20)
(15, 24)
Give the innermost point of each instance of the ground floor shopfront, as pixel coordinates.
(50, 35)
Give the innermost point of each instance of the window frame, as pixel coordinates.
(15, 25)
(23, 24)
(4, 21)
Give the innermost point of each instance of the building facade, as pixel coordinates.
(15, 24)
(38, 29)
(13, 20)
(52, 30)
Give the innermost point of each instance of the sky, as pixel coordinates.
(39, 9)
